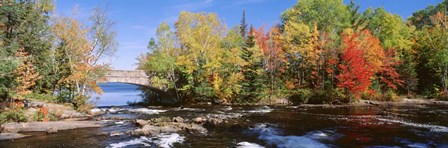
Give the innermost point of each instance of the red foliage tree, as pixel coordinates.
(387, 74)
(355, 73)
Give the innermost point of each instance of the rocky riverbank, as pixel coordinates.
(17, 130)
(67, 117)
(71, 119)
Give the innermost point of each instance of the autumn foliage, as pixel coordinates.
(356, 72)
(364, 60)
(26, 75)
(43, 111)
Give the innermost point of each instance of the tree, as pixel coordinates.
(387, 74)
(230, 75)
(206, 57)
(297, 37)
(26, 75)
(432, 45)
(243, 26)
(329, 18)
(422, 18)
(273, 55)
(82, 74)
(358, 21)
(102, 35)
(25, 24)
(253, 72)
(161, 61)
(328, 15)
(355, 72)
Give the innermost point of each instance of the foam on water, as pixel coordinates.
(227, 108)
(248, 145)
(167, 140)
(162, 140)
(110, 110)
(95, 110)
(433, 128)
(188, 109)
(272, 136)
(138, 141)
(264, 109)
(119, 122)
(147, 111)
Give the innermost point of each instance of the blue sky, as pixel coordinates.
(136, 20)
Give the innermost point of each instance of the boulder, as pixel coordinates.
(10, 127)
(146, 130)
(195, 129)
(51, 130)
(178, 119)
(161, 120)
(151, 130)
(141, 122)
(214, 121)
(199, 120)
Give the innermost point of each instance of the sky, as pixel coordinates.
(136, 21)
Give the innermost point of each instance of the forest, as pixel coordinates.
(340, 57)
(320, 52)
(50, 57)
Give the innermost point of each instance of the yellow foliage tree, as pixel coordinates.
(83, 72)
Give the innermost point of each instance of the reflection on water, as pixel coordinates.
(116, 94)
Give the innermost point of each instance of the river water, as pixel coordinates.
(262, 126)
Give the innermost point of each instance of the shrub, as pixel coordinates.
(86, 107)
(300, 96)
(372, 96)
(389, 95)
(16, 115)
(42, 97)
(80, 102)
(41, 115)
(320, 97)
(329, 96)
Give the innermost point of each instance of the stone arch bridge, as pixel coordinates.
(139, 77)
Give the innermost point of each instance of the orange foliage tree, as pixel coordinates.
(26, 74)
(273, 53)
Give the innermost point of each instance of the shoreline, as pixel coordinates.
(401, 102)
(10, 131)
(18, 130)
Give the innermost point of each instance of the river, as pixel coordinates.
(259, 126)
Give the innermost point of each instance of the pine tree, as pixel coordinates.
(243, 27)
(252, 83)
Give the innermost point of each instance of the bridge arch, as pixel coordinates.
(137, 77)
(140, 78)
